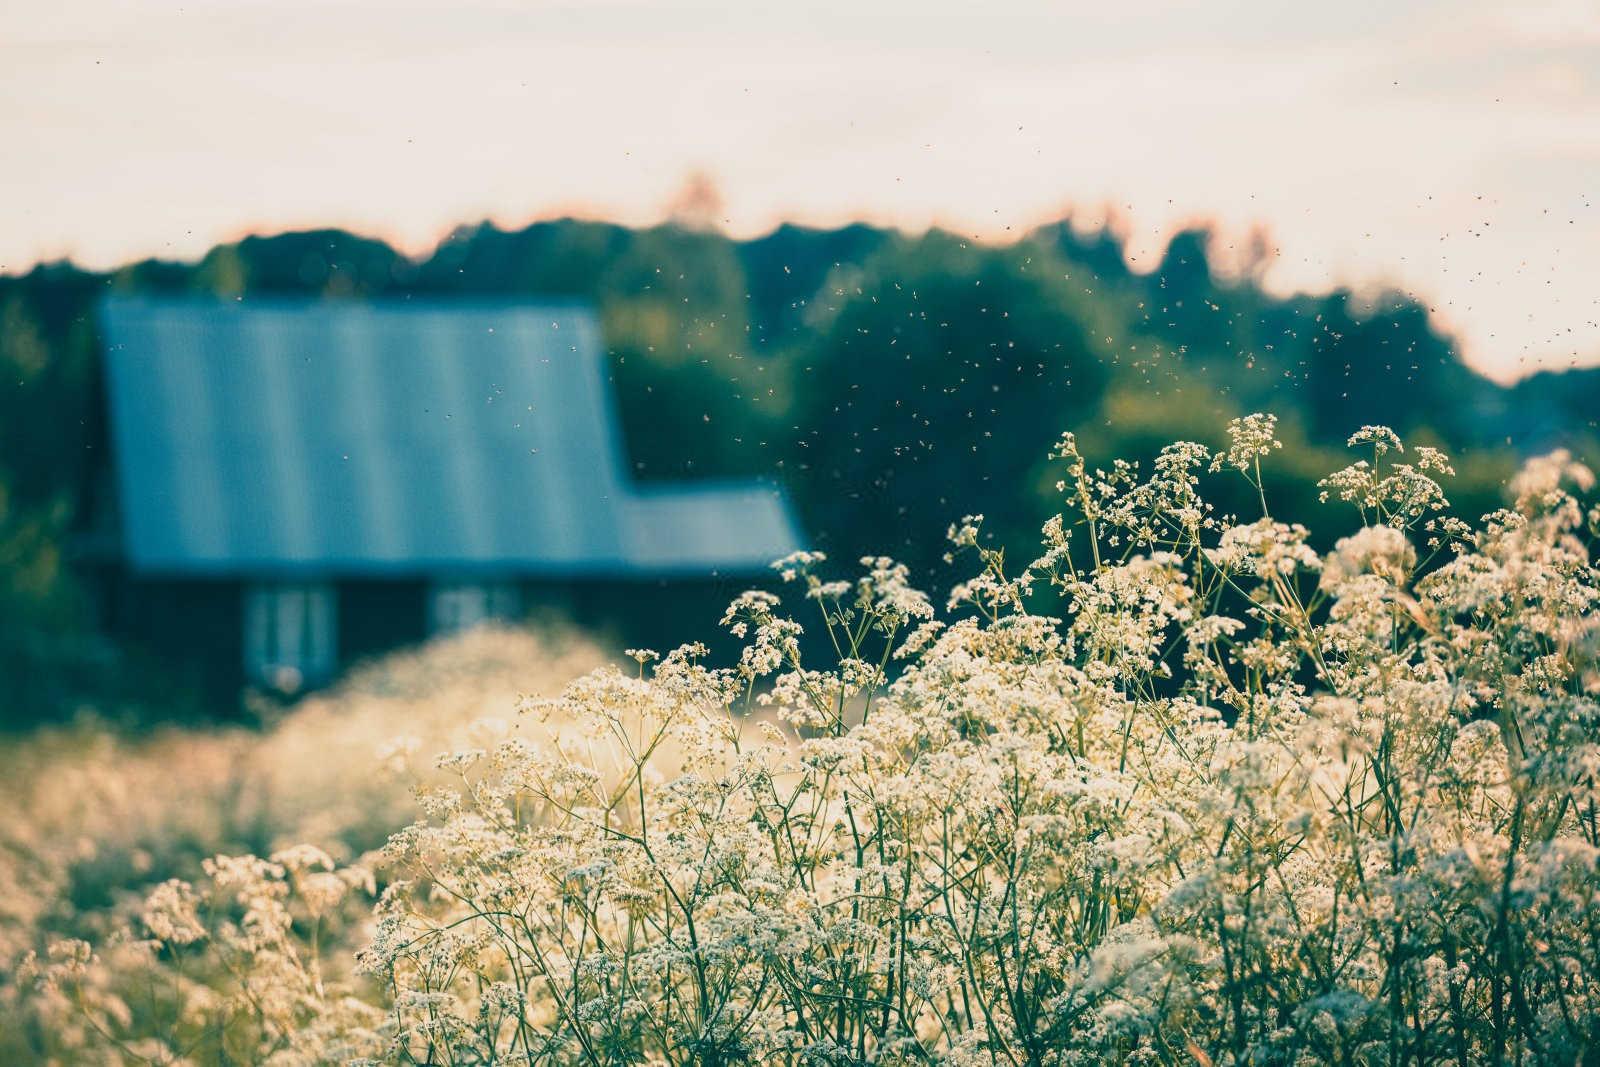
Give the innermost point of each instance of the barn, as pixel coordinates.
(298, 484)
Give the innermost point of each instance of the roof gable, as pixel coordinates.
(344, 437)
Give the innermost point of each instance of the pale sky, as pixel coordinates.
(1448, 147)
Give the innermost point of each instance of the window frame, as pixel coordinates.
(458, 605)
(291, 634)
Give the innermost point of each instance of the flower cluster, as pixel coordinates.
(1236, 801)
(1240, 803)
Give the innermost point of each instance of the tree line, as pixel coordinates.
(892, 382)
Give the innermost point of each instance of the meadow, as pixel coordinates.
(1179, 787)
(93, 818)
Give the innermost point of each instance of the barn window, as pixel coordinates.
(290, 635)
(457, 606)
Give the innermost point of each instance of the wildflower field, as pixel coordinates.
(1187, 788)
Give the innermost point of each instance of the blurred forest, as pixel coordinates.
(892, 382)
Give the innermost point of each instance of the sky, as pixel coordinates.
(1450, 148)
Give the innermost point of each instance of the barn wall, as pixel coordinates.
(659, 614)
(378, 616)
(194, 627)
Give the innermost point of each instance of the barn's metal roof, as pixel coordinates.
(395, 438)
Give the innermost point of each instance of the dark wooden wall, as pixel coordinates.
(194, 628)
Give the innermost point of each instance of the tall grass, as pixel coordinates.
(91, 819)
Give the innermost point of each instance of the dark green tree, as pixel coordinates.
(939, 375)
